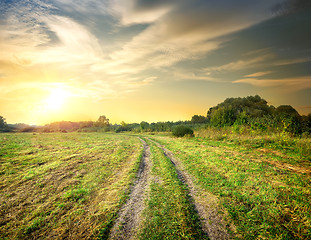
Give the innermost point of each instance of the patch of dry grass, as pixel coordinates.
(63, 185)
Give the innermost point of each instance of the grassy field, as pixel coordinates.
(72, 185)
(266, 192)
(63, 185)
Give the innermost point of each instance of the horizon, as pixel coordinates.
(136, 122)
(156, 61)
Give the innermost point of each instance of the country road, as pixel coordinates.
(130, 217)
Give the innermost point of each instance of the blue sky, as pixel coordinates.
(150, 60)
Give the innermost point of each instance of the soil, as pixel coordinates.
(127, 224)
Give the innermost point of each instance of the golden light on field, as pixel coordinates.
(56, 99)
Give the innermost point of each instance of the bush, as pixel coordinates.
(181, 131)
(121, 129)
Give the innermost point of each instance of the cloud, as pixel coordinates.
(83, 6)
(77, 44)
(292, 61)
(59, 37)
(241, 64)
(291, 7)
(289, 84)
(140, 11)
(180, 30)
(258, 74)
(188, 75)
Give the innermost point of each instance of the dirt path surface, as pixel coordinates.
(205, 203)
(127, 223)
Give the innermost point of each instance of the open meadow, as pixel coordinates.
(122, 186)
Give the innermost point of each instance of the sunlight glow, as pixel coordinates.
(56, 99)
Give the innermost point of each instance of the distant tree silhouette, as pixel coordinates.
(3, 125)
(198, 119)
(144, 126)
(102, 121)
(2, 122)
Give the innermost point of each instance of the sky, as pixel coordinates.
(142, 60)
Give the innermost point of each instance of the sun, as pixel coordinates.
(56, 99)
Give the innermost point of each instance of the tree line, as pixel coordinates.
(252, 112)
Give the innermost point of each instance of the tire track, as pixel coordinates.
(127, 224)
(205, 203)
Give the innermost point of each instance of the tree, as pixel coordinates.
(240, 111)
(198, 119)
(3, 125)
(288, 118)
(2, 122)
(144, 126)
(222, 117)
(102, 121)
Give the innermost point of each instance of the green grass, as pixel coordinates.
(264, 199)
(64, 185)
(295, 147)
(169, 213)
(73, 184)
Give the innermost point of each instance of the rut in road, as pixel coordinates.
(127, 223)
(204, 202)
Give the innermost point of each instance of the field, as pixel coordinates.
(121, 186)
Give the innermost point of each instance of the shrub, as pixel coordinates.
(181, 131)
(121, 129)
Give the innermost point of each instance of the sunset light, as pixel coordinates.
(150, 60)
(155, 119)
(56, 99)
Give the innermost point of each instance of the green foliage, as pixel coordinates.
(222, 117)
(254, 112)
(3, 125)
(242, 118)
(253, 106)
(121, 129)
(2, 122)
(258, 126)
(144, 126)
(288, 119)
(198, 119)
(182, 130)
(103, 121)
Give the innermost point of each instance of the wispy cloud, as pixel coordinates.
(241, 64)
(138, 11)
(258, 74)
(291, 61)
(289, 84)
(180, 30)
(77, 44)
